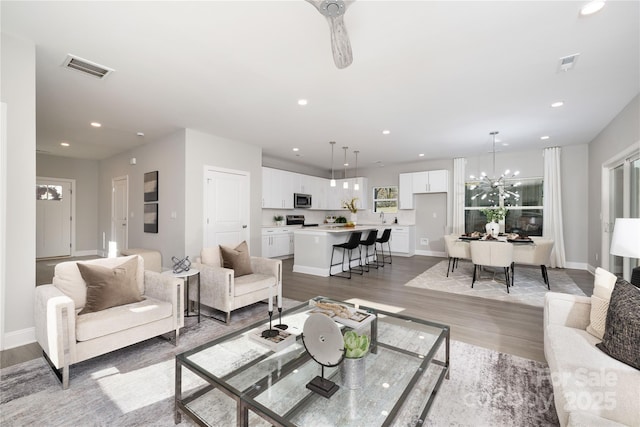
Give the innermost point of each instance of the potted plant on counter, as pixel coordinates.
(279, 220)
(493, 216)
(356, 347)
(352, 206)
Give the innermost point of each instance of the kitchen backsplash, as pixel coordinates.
(405, 217)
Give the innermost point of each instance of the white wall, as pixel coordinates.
(18, 91)
(621, 133)
(209, 150)
(166, 156)
(85, 172)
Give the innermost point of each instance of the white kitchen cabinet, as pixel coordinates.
(277, 188)
(431, 181)
(406, 191)
(402, 240)
(277, 242)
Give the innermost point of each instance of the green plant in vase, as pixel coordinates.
(279, 219)
(355, 345)
(494, 215)
(353, 365)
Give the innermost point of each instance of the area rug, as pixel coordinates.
(529, 288)
(135, 386)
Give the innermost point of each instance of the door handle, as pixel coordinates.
(244, 226)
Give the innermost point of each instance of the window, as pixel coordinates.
(385, 199)
(49, 192)
(524, 216)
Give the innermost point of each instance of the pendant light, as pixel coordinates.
(333, 181)
(356, 186)
(345, 184)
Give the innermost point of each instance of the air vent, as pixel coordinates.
(568, 62)
(87, 67)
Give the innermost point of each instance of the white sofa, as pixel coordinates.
(590, 388)
(67, 338)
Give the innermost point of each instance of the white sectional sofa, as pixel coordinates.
(68, 337)
(590, 387)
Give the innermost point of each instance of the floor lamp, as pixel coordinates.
(626, 243)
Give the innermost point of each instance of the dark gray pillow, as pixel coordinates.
(237, 259)
(110, 287)
(622, 331)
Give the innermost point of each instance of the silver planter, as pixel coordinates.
(353, 373)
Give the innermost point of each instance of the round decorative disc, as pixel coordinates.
(323, 339)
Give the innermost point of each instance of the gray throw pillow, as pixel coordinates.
(237, 259)
(622, 332)
(110, 287)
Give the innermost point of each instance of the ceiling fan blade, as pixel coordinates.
(340, 44)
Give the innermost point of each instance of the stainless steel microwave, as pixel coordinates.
(301, 200)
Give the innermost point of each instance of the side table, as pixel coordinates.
(185, 276)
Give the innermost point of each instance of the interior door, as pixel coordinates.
(53, 218)
(119, 212)
(226, 207)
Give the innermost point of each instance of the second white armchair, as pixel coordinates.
(223, 290)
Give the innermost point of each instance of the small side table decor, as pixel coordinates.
(181, 265)
(353, 367)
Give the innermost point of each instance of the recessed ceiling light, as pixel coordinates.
(302, 102)
(140, 134)
(296, 149)
(421, 155)
(544, 138)
(65, 144)
(386, 132)
(96, 124)
(505, 144)
(557, 104)
(592, 7)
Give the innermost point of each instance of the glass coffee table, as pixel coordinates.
(236, 380)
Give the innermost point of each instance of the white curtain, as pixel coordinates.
(552, 215)
(458, 195)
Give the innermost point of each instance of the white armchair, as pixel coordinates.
(221, 290)
(492, 254)
(67, 337)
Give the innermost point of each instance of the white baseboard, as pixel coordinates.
(19, 338)
(577, 265)
(431, 253)
(86, 253)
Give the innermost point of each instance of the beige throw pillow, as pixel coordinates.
(602, 286)
(237, 259)
(110, 287)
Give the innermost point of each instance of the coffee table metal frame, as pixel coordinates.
(244, 399)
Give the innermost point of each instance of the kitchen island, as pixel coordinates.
(313, 246)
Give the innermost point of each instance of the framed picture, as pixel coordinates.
(151, 186)
(151, 218)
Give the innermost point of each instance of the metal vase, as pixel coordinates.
(353, 371)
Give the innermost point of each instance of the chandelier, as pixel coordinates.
(492, 188)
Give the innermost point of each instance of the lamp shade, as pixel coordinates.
(626, 238)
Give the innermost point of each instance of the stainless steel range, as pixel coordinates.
(298, 220)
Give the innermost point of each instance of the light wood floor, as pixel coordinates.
(507, 327)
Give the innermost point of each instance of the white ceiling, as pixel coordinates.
(439, 74)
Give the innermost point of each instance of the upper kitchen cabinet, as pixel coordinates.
(421, 182)
(277, 189)
(431, 182)
(405, 193)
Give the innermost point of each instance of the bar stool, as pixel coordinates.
(369, 242)
(386, 236)
(350, 245)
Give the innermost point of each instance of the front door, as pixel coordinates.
(226, 207)
(53, 218)
(119, 209)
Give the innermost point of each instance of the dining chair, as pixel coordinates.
(491, 254)
(456, 249)
(538, 253)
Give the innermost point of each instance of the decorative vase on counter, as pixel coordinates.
(493, 228)
(279, 223)
(354, 218)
